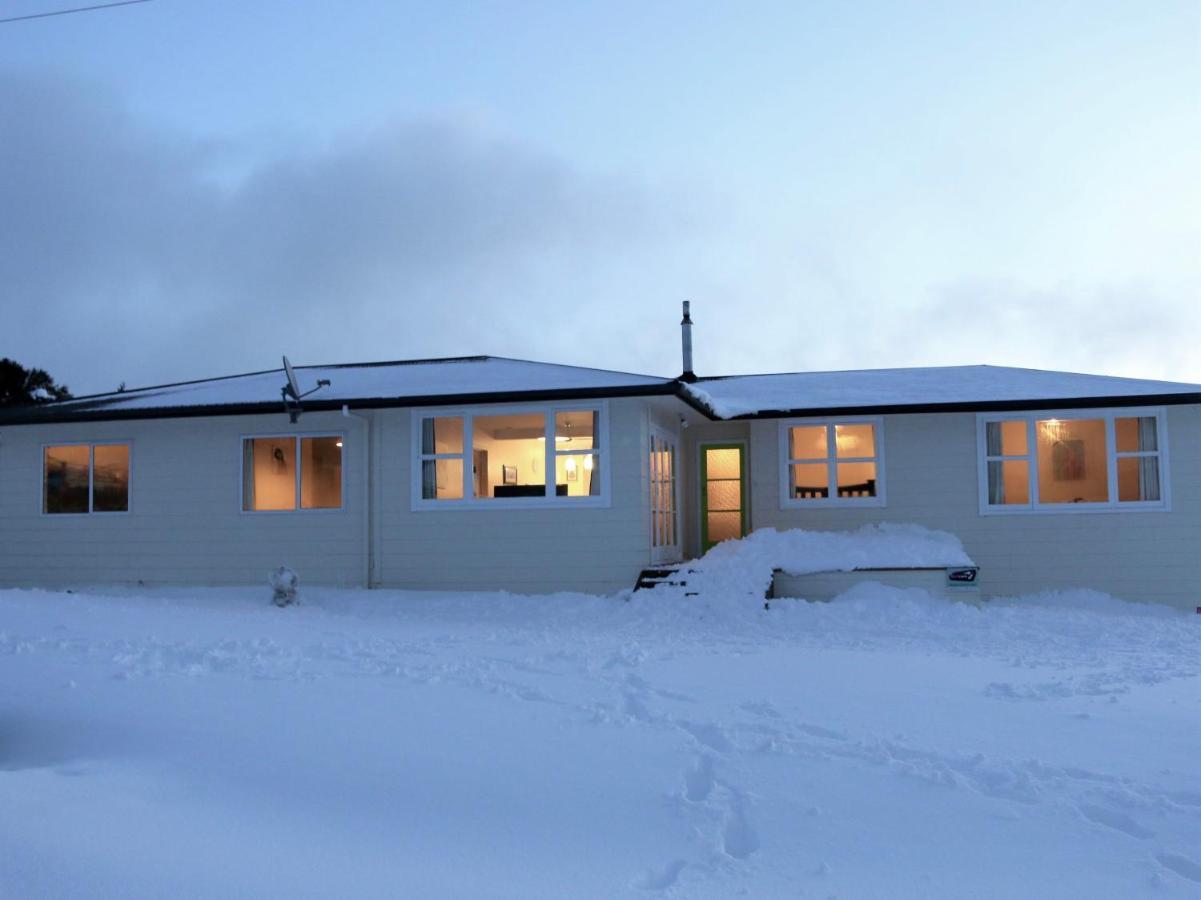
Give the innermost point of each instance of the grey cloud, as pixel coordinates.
(127, 253)
(132, 252)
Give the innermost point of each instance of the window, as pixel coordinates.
(832, 463)
(664, 527)
(1110, 459)
(494, 458)
(85, 478)
(287, 473)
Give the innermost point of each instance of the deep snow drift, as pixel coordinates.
(204, 743)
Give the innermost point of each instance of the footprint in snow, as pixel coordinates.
(699, 780)
(634, 707)
(738, 839)
(761, 709)
(820, 732)
(709, 735)
(1118, 821)
(1181, 865)
(661, 879)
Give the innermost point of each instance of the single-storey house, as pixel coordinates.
(489, 473)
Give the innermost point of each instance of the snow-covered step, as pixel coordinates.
(649, 578)
(672, 575)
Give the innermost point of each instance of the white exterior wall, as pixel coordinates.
(931, 476)
(185, 524)
(594, 549)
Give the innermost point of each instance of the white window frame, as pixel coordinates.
(297, 437)
(663, 553)
(468, 414)
(833, 502)
(1108, 415)
(91, 445)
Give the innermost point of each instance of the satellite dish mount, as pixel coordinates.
(292, 395)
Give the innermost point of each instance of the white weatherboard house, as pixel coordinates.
(488, 473)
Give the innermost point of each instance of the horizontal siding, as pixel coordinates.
(186, 527)
(598, 550)
(185, 524)
(931, 472)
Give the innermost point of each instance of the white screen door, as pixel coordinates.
(665, 518)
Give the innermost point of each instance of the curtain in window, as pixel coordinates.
(248, 474)
(594, 484)
(1148, 466)
(996, 470)
(429, 467)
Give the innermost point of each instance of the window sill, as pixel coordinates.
(511, 504)
(840, 503)
(292, 512)
(1075, 509)
(87, 515)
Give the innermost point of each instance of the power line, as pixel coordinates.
(66, 12)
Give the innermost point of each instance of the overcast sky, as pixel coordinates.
(189, 188)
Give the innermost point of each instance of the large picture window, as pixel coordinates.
(491, 458)
(1110, 459)
(85, 478)
(288, 473)
(832, 463)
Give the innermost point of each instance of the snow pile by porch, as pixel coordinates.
(743, 568)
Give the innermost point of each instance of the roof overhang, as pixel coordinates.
(966, 406)
(52, 413)
(38, 415)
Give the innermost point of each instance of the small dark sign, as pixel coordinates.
(962, 577)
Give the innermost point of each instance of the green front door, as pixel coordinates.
(723, 493)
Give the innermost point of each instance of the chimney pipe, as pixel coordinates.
(686, 339)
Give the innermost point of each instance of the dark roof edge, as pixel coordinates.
(438, 360)
(976, 406)
(686, 396)
(40, 415)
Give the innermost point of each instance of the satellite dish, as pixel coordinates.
(293, 389)
(291, 392)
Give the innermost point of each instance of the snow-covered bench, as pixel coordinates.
(953, 582)
(819, 565)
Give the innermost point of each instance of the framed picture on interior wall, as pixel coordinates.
(1067, 460)
(509, 474)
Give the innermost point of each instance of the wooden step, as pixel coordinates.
(673, 576)
(652, 577)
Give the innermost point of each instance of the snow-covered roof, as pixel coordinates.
(492, 379)
(363, 384)
(745, 395)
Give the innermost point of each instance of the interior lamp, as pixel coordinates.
(1052, 429)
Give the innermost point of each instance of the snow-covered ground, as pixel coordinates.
(204, 743)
